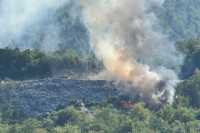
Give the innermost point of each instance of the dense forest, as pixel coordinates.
(32, 64)
(179, 19)
(190, 48)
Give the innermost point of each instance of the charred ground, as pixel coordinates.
(35, 97)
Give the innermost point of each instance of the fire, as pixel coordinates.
(127, 103)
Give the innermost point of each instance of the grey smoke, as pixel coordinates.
(125, 35)
(39, 24)
(17, 15)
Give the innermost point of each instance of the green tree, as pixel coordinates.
(193, 126)
(30, 126)
(7, 93)
(166, 113)
(177, 127)
(179, 18)
(157, 124)
(190, 88)
(67, 129)
(185, 115)
(139, 112)
(108, 118)
(68, 115)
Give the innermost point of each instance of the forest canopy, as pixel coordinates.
(31, 64)
(180, 19)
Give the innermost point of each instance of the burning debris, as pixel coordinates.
(127, 103)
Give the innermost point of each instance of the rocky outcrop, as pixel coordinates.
(36, 97)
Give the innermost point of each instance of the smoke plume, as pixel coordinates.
(39, 24)
(19, 19)
(136, 55)
(123, 33)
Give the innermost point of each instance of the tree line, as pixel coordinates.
(29, 64)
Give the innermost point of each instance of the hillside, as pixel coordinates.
(180, 18)
(52, 53)
(93, 111)
(36, 97)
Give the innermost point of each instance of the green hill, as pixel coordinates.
(180, 18)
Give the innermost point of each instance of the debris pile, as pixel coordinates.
(35, 97)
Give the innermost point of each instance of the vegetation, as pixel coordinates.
(180, 18)
(191, 50)
(29, 64)
(189, 90)
(110, 116)
(114, 115)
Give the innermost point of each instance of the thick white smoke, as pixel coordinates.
(136, 55)
(16, 16)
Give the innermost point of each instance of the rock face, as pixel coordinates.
(36, 97)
